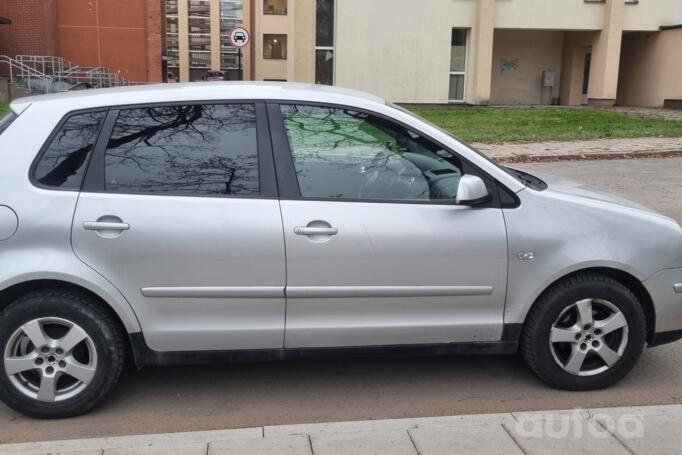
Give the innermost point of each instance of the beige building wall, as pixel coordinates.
(519, 57)
(651, 68)
(549, 14)
(650, 15)
(576, 45)
(304, 41)
(272, 24)
(606, 56)
(399, 49)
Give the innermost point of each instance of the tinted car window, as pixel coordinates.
(63, 163)
(340, 153)
(6, 121)
(185, 150)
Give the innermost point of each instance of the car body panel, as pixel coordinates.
(394, 274)
(212, 272)
(41, 247)
(665, 288)
(568, 233)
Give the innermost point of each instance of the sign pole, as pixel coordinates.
(239, 64)
(239, 37)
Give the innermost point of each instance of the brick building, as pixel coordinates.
(125, 36)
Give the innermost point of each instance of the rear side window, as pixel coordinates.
(6, 121)
(63, 162)
(184, 150)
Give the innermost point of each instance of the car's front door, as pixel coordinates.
(180, 214)
(378, 253)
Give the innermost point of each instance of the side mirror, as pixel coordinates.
(472, 191)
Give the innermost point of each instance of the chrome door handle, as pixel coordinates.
(105, 226)
(303, 230)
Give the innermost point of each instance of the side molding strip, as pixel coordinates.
(312, 292)
(255, 292)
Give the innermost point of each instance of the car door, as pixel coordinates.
(179, 212)
(378, 252)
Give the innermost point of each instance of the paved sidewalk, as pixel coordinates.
(575, 150)
(633, 430)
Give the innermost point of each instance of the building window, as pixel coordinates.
(458, 64)
(324, 42)
(275, 47)
(231, 16)
(172, 37)
(275, 7)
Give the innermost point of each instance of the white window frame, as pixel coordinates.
(466, 67)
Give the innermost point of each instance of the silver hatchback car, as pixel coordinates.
(247, 221)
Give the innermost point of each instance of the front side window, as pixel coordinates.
(275, 47)
(344, 154)
(63, 163)
(184, 150)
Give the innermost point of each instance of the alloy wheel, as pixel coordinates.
(589, 337)
(50, 359)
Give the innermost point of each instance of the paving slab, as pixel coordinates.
(396, 442)
(567, 436)
(653, 434)
(128, 441)
(180, 449)
(289, 445)
(464, 440)
(383, 425)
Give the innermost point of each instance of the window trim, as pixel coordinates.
(461, 73)
(39, 156)
(288, 185)
(95, 180)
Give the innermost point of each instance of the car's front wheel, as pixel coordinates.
(586, 332)
(62, 353)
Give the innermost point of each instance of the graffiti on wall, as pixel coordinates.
(509, 64)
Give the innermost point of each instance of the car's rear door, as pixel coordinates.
(378, 252)
(179, 212)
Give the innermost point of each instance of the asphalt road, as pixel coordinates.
(176, 399)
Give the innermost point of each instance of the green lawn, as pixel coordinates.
(483, 124)
(4, 107)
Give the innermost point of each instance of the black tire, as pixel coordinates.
(99, 324)
(535, 346)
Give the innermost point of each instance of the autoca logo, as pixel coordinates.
(578, 424)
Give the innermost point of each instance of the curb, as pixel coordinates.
(515, 159)
(605, 430)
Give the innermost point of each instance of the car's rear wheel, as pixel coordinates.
(62, 353)
(586, 332)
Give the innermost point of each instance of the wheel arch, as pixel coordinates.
(21, 288)
(626, 279)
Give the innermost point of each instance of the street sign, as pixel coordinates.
(239, 37)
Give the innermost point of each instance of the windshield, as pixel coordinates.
(514, 174)
(6, 121)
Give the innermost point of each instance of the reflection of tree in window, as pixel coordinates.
(63, 163)
(194, 149)
(342, 153)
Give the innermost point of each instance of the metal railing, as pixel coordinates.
(65, 71)
(18, 72)
(48, 73)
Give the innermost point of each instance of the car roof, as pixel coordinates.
(198, 91)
